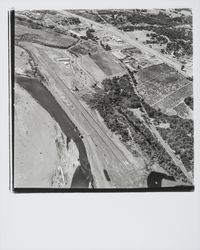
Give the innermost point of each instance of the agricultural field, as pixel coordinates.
(183, 111)
(175, 98)
(159, 83)
(92, 68)
(107, 63)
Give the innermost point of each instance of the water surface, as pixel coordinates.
(41, 94)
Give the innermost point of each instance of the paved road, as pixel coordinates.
(133, 42)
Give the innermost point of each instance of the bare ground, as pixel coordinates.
(42, 157)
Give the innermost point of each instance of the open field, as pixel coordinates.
(92, 68)
(90, 14)
(21, 61)
(107, 63)
(44, 37)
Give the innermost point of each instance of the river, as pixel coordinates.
(82, 176)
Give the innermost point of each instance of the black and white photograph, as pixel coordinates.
(100, 125)
(103, 99)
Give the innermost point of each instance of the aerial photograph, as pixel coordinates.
(103, 99)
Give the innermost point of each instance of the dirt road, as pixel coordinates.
(111, 158)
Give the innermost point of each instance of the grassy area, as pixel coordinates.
(48, 38)
(90, 66)
(107, 64)
(183, 111)
(88, 14)
(84, 48)
(177, 28)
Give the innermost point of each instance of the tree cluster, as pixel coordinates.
(90, 35)
(179, 135)
(105, 46)
(115, 103)
(189, 101)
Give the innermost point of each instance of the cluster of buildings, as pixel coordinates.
(66, 61)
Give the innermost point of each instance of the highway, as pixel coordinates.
(108, 28)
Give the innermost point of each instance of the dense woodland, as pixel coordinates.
(189, 101)
(179, 135)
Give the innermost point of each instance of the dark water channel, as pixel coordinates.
(40, 93)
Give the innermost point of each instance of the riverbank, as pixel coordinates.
(40, 93)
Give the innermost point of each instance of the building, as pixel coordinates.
(76, 34)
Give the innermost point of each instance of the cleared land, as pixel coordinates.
(92, 68)
(107, 63)
(22, 61)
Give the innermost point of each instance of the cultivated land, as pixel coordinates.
(107, 64)
(163, 87)
(129, 103)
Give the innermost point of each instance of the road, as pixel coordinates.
(167, 148)
(176, 65)
(110, 157)
(110, 29)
